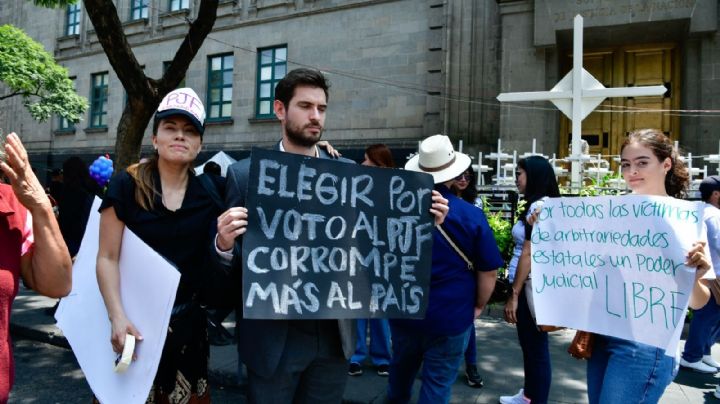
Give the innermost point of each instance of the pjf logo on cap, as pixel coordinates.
(184, 99)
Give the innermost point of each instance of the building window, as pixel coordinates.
(176, 5)
(64, 125)
(72, 22)
(98, 100)
(272, 66)
(220, 78)
(138, 9)
(166, 65)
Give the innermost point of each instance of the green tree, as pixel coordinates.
(143, 93)
(28, 71)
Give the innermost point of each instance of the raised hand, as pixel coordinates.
(439, 207)
(17, 168)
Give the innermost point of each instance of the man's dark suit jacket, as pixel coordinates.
(261, 342)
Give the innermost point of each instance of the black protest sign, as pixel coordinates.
(328, 240)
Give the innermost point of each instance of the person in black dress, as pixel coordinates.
(171, 210)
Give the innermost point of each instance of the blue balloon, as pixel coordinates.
(101, 170)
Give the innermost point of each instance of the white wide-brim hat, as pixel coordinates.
(437, 157)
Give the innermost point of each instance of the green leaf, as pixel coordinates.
(54, 3)
(501, 228)
(30, 72)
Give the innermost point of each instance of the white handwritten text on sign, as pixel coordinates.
(327, 239)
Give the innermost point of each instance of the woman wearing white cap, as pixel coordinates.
(173, 212)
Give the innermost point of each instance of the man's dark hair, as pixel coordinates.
(708, 186)
(212, 167)
(285, 89)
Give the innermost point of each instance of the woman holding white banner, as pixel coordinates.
(626, 371)
(174, 212)
(535, 179)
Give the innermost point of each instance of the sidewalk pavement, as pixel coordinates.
(499, 357)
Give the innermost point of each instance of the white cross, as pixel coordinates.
(577, 95)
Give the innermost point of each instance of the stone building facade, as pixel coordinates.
(400, 69)
(626, 43)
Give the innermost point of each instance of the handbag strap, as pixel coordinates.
(457, 249)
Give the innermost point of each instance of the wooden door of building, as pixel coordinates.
(627, 66)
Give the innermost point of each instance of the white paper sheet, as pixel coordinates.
(148, 284)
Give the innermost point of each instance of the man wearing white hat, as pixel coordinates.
(461, 282)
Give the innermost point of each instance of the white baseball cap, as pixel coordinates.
(185, 102)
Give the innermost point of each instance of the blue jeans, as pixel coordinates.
(440, 357)
(622, 371)
(704, 331)
(379, 342)
(471, 350)
(536, 354)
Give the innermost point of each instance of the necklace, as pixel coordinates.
(174, 200)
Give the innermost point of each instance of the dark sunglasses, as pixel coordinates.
(463, 176)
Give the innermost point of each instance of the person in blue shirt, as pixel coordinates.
(458, 291)
(705, 324)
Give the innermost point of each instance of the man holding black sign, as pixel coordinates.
(465, 259)
(291, 360)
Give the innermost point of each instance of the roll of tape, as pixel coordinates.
(123, 360)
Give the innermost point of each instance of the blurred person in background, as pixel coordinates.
(377, 155)
(465, 187)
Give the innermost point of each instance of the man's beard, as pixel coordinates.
(300, 138)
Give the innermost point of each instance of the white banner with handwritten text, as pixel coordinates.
(614, 265)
